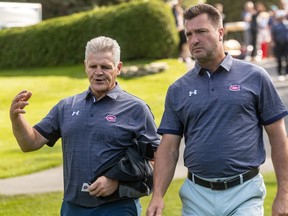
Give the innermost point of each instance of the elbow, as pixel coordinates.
(25, 149)
(28, 148)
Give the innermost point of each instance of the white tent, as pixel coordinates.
(19, 14)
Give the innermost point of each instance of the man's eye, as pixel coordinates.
(105, 68)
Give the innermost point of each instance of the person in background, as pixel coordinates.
(97, 126)
(279, 32)
(284, 5)
(254, 34)
(272, 19)
(220, 8)
(178, 10)
(264, 36)
(246, 16)
(221, 107)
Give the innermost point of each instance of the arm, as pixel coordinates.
(166, 159)
(279, 153)
(28, 138)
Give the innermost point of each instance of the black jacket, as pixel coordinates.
(133, 171)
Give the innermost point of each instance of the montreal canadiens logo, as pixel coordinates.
(111, 118)
(234, 88)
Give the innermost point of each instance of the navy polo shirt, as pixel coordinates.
(93, 132)
(221, 115)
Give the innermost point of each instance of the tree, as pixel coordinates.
(56, 8)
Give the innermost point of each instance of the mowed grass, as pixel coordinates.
(49, 204)
(48, 86)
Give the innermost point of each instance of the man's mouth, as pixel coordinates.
(98, 79)
(195, 49)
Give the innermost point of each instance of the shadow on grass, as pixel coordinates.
(73, 71)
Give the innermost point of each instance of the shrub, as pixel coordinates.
(144, 30)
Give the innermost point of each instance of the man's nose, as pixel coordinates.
(98, 70)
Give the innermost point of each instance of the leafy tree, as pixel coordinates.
(56, 8)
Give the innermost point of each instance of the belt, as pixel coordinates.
(223, 185)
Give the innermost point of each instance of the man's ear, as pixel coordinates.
(119, 68)
(221, 34)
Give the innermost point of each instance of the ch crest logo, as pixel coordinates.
(75, 113)
(192, 93)
(111, 118)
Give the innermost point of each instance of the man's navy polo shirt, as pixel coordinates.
(94, 132)
(221, 116)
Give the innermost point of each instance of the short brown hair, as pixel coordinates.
(198, 9)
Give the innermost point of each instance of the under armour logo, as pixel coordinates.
(192, 93)
(75, 113)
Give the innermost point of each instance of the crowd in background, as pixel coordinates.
(266, 33)
(178, 11)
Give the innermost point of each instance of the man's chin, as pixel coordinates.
(99, 89)
(198, 57)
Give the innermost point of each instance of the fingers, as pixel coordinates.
(155, 207)
(19, 103)
(154, 212)
(23, 96)
(103, 186)
(96, 189)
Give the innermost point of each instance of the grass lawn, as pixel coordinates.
(48, 86)
(48, 204)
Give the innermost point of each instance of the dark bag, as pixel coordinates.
(134, 172)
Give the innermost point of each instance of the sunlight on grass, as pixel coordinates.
(49, 203)
(49, 85)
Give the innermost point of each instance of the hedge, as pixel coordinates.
(143, 29)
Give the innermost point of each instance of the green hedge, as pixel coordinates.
(144, 30)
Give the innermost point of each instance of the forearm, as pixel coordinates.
(280, 162)
(27, 138)
(279, 153)
(165, 164)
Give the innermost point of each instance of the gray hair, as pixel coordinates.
(103, 44)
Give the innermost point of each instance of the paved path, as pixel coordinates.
(52, 180)
(45, 181)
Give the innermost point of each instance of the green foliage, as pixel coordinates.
(110, 2)
(49, 85)
(189, 3)
(144, 29)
